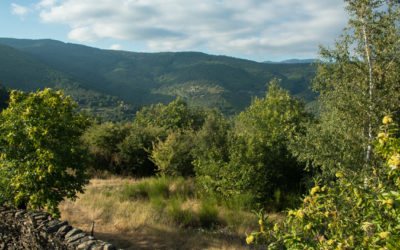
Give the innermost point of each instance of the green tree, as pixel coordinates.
(103, 140)
(177, 115)
(260, 161)
(211, 151)
(358, 84)
(42, 159)
(135, 150)
(174, 156)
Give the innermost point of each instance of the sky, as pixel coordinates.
(259, 30)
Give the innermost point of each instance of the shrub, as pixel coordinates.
(135, 150)
(176, 116)
(103, 140)
(260, 161)
(211, 152)
(173, 156)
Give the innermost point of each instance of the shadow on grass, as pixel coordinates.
(155, 238)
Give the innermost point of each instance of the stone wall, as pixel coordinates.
(20, 229)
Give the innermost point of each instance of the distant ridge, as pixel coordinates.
(204, 80)
(294, 61)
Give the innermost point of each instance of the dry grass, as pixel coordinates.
(145, 224)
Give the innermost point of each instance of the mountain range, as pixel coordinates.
(99, 78)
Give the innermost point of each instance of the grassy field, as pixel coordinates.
(158, 213)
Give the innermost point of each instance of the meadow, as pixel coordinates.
(159, 213)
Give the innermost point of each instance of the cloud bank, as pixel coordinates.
(248, 27)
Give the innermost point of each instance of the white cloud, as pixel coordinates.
(116, 47)
(82, 34)
(46, 3)
(248, 27)
(19, 10)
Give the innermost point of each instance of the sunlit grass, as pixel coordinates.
(153, 211)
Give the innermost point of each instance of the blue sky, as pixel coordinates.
(258, 30)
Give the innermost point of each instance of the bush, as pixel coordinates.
(176, 116)
(260, 161)
(173, 156)
(135, 150)
(103, 140)
(211, 152)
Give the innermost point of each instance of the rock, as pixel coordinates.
(86, 245)
(109, 247)
(76, 243)
(62, 231)
(72, 233)
(19, 230)
(75, 237)
(54, 225)
(19, 213)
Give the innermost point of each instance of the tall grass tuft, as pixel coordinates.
(239, 202)
(182, 187)
(134, 191)
(179, 216)
(159, 188)
(208, 214)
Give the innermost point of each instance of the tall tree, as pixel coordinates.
(358, 82)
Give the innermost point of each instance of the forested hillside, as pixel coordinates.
(19, 70)
(146, 78)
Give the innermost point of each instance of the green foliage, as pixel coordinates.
(173, 156)
(211, 151)
(104, 107)
(358, 83)
(353, 212)
(177, 115)
(160, 138)
(103, 140)
(42, 159)
(135, 150)
(259, 158)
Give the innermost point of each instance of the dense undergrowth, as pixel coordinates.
(355, 211)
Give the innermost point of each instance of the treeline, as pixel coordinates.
(248, 156)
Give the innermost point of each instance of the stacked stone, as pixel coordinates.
(20, 229)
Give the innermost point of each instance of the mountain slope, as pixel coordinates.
(18, 70)
(21, 71)
(145, 78)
